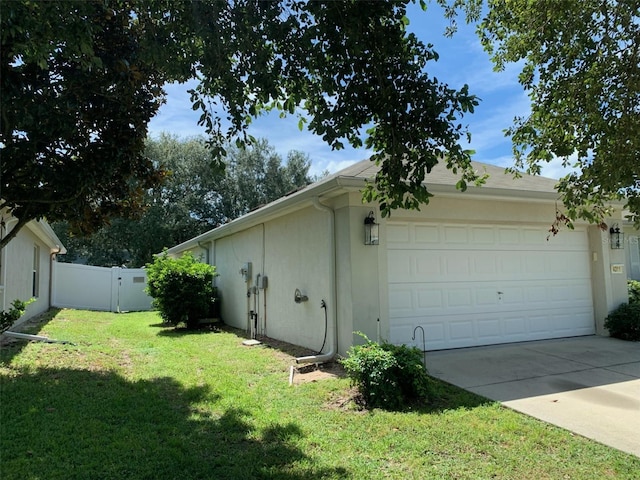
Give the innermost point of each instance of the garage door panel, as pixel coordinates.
(399, 265)
(514, 326)
(424, 234)
(401, 301)
(406, 266)
(520, 238)
(456, 235)
(483, 284)
(487, 296)
(429, 298)
(483, 235)
(461, 330)
(488, 328)
(427, 266)
(456, 331)
(479, 297)
(459, 297)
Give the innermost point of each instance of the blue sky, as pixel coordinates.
(462, 60)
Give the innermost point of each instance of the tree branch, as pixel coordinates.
(14, 231)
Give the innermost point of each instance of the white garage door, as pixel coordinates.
(469, 285)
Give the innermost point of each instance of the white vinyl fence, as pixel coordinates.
(99, 288)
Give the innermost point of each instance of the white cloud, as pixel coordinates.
(556, 169)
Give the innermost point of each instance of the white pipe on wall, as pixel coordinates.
(52, 259)
(333, 345)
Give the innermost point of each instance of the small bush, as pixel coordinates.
(388, 376)
(182, 289)
(634, 291)
(624, 322)
(9, 317)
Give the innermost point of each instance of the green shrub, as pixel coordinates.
(411, 374)
(624, 322)
(387, 376)
(634, 291)
(9, 317)
(182, 288)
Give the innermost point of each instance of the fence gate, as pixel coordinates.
(99, 288)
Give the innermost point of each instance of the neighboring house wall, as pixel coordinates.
(25, 270)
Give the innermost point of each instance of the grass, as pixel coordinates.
(134, 400)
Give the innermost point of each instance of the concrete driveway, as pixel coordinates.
(588, 385)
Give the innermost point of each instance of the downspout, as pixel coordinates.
(333, 345)
(264, 290)
(52, 258)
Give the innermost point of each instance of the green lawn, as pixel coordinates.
(135, 400)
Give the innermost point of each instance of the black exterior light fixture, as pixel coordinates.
(617, 237)
(371, 236)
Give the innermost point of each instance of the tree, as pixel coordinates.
(255, 176)
(581, 67)
(76, 99)
(193, 199)
(80, 81)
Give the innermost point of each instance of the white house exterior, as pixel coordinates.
(472, 268)
(632, 251)
(26, 264)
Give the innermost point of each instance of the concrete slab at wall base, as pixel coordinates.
(588, 385)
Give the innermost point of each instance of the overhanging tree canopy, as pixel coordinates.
(581, 67)
(194, 198)
(81, 80)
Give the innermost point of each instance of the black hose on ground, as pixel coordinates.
(323, 305)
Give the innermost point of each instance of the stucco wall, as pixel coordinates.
(293, 252)
(17, 273)
(632, 252)
(298, 256)
(359, 300)
(231, 253)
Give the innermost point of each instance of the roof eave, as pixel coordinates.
(44, 232)
(333, 186)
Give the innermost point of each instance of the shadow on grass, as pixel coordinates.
(10, 347)
(160, 325)
(77, 424)
(442, 397)
(176, 332)
(445, 396)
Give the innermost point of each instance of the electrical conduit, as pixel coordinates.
(333, 344)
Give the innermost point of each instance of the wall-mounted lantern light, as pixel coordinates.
(617, 237)
(371, 230)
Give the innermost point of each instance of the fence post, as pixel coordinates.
(116, 278)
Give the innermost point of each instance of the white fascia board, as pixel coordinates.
(44, 232)
(495, 193)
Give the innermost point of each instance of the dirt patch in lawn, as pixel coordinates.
(314, 373)
(303, 373)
